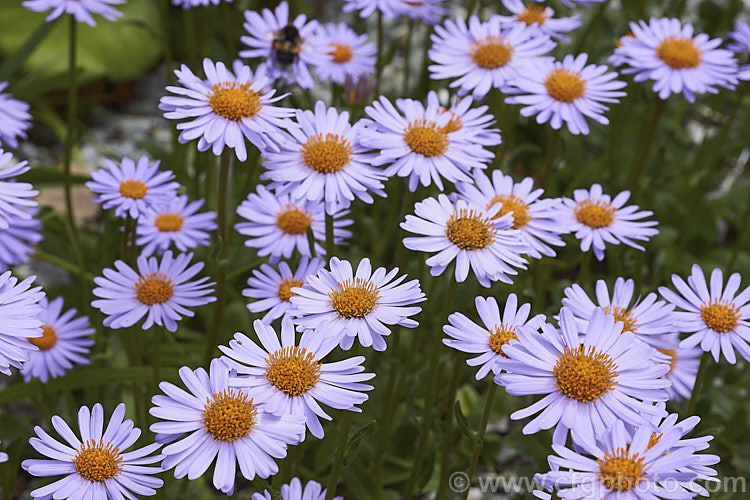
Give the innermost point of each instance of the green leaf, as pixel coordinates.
(463, 422)
(361, 433)
(17, 59)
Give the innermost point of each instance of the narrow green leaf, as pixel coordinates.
(463, 422)
(361, 433)
(17, 59)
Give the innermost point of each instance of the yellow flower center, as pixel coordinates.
(720, 315)
(292, 220)
(564, 85)
(169, 223)
(500, 336)
(584, 373)
(654, 440)
(454, 124)
(491, 52)
(672, 353)
(512, 204)
(133, 189)
(468, 230)
(340, 52)
(533, 14)
(234, 101)
(679, 52)
(595, 213)
(97, 461)
(293, 370)
(629, 322)
(285, 288)
(426, 138)
(355, 298)
(326, 154)
(155, 288)
(620, 471)
(48, 339)
(229, 415)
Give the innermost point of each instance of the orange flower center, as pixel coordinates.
(512, 204)
(155, 288)
(468, 230)
(133, 189)
(533, 14)
(595, 213)
(720, 315)
(620, 471)
(285, 288)
(426, 138)
(48, 339)
(491, 52)
(672, 353)
(97, 462)
(229, 415)
(585, 374)
(234, 101)
(326, 154)
(169, 223)
(629, 322)
(679, 52)
(293, 370)
(564, 85)
(355, 298)
(500, 336)
(291, 220)
(340, 52)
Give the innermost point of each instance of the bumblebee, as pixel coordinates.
(287, 44)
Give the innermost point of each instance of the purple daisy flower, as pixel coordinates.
(683, 366)
(64, 342)
(471, 236)
(15, 197)
(624, 465)
(186, 4)
(678, 61)
(540, 18)
(366, 8)
(95, 466)
(596, 219)
(537, 220)
(475, 122)
(428, 11)
(589, 381)
(566, 91)
(225, 109)
(577, 3)
(16, 241)
(19, 310)
(131, 188)
(648, 318)
(488, 341)
(420, 143)
(741, 37)
(285, 44)
(290, 379)
(158, 290)
(83, 11)
(349, 305)
(342, 54)
(3, 457)
(321, 160)
(481, 56)
(222, 423)
(717, 317)
(174, 222)
(278, 224)
(272, 289)
(15, 119)
(294, 491)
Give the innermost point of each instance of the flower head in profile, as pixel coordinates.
(588, 381)
(216, 421)
(487, 341)
(354, 305)
(83, 11)
(175, 222)
(342, 53)
(19, 322)
(160, 290)
(272, 289)
(15, 119)
(295, 491)
(648, 318)
(683, 365)
(541, 18)
(597, 219)
(278, 224)
(96, 464)
(321, 160)
(17, 241)
(716, 315)
(421, 143)
(224, 109)
(676, 59)
(468, 234)
(15, 197)
(483, 55)
(285, 44)
(288, 378)
(65, 341)
(537, 220)
(741, 37)
(132, 187)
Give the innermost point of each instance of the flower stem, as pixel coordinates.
(380, 60)
(647, 139)
(155, 358)
(479, 441)
(223, 261)
(330, 242)
(698, 383)
(72, 107)
(407, 57)
(448, 444)
(549, 168)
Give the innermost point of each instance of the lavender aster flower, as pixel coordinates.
(540, 18)
(158, 290)
(294, 491)
(428, 11)
(186, 4)
(95, 466)
(362, 304)
(342, 53)
(64, 341)
(19, 322)
(741, 37)
(131, 188)
(15, 197)
(683, 365)
(222, 423)
(291, 379)
(16, 241)
(475, 122)
(174, 222)
(83, 11)
(14, 118)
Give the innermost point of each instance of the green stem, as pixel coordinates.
(58, 261)
(330, 242)
(407, 57)
(647, 139)
(72, 107)
(448, 444)
(223, 264)
(277, 480)
(380, 59)
(155, 359)
(384, 430)
(479, 441)
(226, 14)
(549, 167)
(698, 383)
